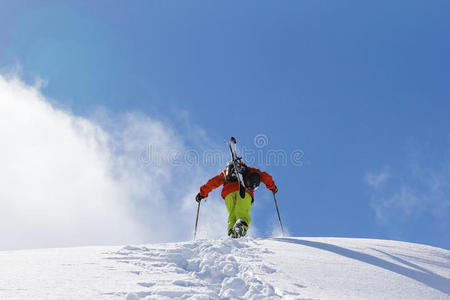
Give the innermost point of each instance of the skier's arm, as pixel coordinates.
(265, 178)
(213, 183)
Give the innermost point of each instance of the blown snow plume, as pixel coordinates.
(68, 180)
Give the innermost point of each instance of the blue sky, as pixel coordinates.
(362, 89)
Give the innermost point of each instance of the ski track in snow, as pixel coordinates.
(221, 269)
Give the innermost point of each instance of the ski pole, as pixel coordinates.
(196, 221)
(278, 212)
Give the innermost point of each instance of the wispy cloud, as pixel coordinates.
(376, 179)
(68, 180)
(421, 190)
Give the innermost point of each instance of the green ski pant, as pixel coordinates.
(238, 208)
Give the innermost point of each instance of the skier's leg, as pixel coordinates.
(230, 201)
(242, 210)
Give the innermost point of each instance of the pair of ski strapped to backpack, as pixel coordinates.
(238, 171)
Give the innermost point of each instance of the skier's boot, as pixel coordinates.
(232, 234)
(239, 230)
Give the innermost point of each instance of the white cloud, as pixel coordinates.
(375, 180)
(68, 180)
(422, 191)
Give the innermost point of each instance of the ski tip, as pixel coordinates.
(232, 139)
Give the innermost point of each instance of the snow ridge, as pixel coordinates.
(273, 268)
(204, 269)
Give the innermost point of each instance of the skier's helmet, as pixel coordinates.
(252, 181)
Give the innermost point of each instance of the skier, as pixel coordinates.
(238, 208)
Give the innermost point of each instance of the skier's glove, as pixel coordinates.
(275, 189)
(199, 198)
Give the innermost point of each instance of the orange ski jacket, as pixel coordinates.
(233, 186)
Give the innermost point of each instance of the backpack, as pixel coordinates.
(251, 180)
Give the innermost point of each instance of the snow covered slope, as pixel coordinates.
(287, 268)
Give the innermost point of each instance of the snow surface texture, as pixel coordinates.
(277, 268)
